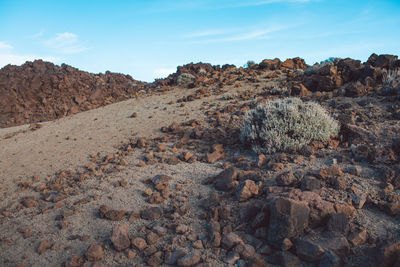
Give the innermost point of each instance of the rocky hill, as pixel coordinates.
(41, 91)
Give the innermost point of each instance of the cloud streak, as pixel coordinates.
(4, 45)
(242, 35)
(65, 43)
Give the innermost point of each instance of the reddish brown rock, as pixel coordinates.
(94, 252)
(190, 259)
(120, 238)
(246, 190)
(43, 246)
(139, 243)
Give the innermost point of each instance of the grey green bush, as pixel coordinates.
(286, 125)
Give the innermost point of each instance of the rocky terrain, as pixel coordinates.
(164, 180)
(41, 91)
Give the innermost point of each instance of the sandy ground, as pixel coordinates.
(66, 143)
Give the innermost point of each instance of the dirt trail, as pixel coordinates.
(66, 143)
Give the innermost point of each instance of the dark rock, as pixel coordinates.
(160, 182)
(308, 250)
(286, 179)
(310, 183)
(338, 223)
(288, 219)
(226, 180)
(388, 254)
(172, 257)
(385, 61)
(230, 240)
(329, 259)
(189, 259)
(151, 214)
(284, 259)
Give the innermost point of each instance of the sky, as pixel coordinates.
(148, 39)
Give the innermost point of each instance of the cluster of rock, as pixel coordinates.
(41, 91)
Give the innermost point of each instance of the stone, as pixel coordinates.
(29, 202)
(172, 257)
(358, 199)
(300, 90)
(286, 179)
(393, 209)
(265, 250)
(288, 219)
(94, 252)
(246, 190)
(334, 170)
(338, 223)
(43, 246)
(226, 180)
(388, 253)
(152, 238)
(155, 259)
(139, 243)
(120, 238)
(246, 251)
(284, 259)
(230, 240)
(310, 183)
(215, 239)
(151, 214)
(189, 259)
(308, 250)
(161, 182)
(113, 215)
(75, 261)
(358, 238)
(385, 61)
(161, 147)
(231, 258)
(329, 259)
(130, 254)
(156, 198)
(214, 157)
(286, 244)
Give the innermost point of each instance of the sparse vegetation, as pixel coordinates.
(391, 77)
(286, 125)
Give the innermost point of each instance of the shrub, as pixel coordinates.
(286, 125)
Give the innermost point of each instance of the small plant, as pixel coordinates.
(286, 125)
(389, 77)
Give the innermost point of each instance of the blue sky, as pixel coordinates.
(149, 38)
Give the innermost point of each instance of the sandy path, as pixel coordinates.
(67, 142)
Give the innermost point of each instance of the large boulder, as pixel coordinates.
(288, 219)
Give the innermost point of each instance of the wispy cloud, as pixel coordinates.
(164, 72)
(65, 43)
(267, 2)
(240, 35)
(18, 59)
(167, 6)
(36, 35)
(207, 33)
(4, 45)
